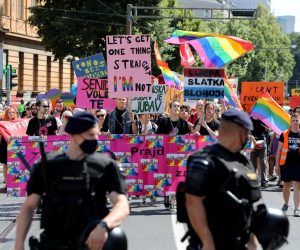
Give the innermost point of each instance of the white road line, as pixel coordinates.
(179, 230)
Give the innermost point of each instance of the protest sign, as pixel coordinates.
(92, 66)
(295, 92)
(204, 83)
(171, 95)
(129, 66)
(234, 83)
(93, 93)
(153, 164)
(250, 92)
(13, 128)
(294, 101)
(151, 105)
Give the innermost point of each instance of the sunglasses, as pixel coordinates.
(101, 115)
(46, 106)
(218, 110)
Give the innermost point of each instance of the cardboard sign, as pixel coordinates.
(151, 105)
(93, 93)
(295, 92)
(251, 91)
(92, 66)
(129, 66)
(173, 94)
(204, 83)
(294, 101)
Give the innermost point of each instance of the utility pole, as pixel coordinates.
(129, 19)
(8, 84)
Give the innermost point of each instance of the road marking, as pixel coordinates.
(179, 230)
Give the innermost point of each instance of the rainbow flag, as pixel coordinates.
(170, 78)
(214, 50)
(230, 96)
(271, 113)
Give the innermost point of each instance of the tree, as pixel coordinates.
(77, 28)
(295, 79)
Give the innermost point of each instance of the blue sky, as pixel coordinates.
(287, 7)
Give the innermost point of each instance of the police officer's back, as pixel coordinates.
(221, 187)
(74, 186)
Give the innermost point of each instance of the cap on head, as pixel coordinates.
(239, 117)
(80, 123)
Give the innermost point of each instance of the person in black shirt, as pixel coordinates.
(43, 123)
(120, 120)
(260, 151)
(74, 185)
(217, 219)
(209, 125)
(173, 125)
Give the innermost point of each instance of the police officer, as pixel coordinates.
(74, 186)
(221, 187)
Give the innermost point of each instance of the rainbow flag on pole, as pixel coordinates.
(271, 113)
(169, 76)
(214, 50)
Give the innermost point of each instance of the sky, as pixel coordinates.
(287, 7)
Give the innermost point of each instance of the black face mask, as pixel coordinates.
(89, 146)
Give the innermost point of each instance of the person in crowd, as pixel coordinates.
(121, 120)
(100, 114)
(297, 110)
(218, 112)
(145, 125)
(64, 119)
(173, 125)
(59, 108)
(185, 115)
(21, 107)
(43, 123)
(33, 109)
(274, 138)
(24, 113)
(288, 161)
(209, 178)
(28, 114)
(67, 212)
(199, 112)
(10, 114)
(260, 150)
(207, 125)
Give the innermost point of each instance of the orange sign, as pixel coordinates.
(173, 94)
(250, 91)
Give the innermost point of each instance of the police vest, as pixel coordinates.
(285, 147)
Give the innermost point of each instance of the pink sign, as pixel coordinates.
(93, 93)
(129, 66)
(153, 164)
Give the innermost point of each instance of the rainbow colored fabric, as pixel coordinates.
(169, 76)
(230, 96)
(271, 113)
(214, 50)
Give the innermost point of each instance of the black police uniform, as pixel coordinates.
(74, 195)
(229, 184)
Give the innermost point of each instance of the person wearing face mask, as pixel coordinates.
(73, 186)
(215, 175)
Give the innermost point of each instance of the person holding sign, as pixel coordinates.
(207, 125)
(145, 126)
(173, 125)
(120, 120)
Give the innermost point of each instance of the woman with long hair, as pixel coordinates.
(10, 114)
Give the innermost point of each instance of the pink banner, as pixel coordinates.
(93, 93)
(13, 128)
(153, 164)
(129, 66)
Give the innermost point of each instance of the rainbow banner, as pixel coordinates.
(169, 76)
(271, 113)
(214, 50)
(230, 96)
(153, 164)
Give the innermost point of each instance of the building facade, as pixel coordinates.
(21, 48)
(250, 4)
(287, 23)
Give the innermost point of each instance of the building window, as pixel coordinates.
(21, 71)
(48, 74)
(35, 72)
(60, 74)
(20, 9)
(5, 8)
(33, 3)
